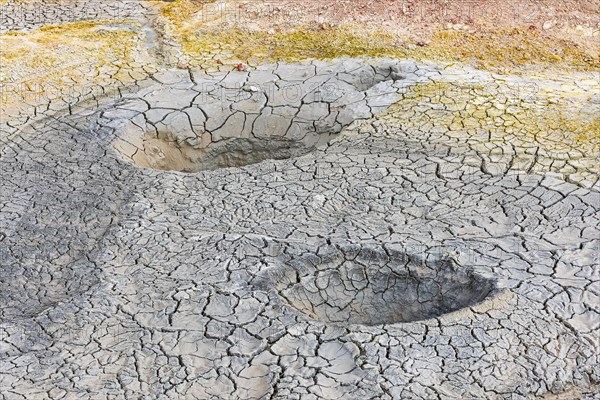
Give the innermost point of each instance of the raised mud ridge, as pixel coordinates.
(238, 118)
(375, 286)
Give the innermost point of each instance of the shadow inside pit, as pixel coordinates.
(167, 155)
(275, 112)
(371, 286)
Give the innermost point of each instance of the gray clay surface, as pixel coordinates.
(281, 234)
(377, 265)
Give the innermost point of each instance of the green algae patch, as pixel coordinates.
(585, 131)
(497, 50)
(512, 122)
(260, 47)
(503, 110)
(205, 33)
(56, 59)
(503, 48)
(181, 12)
(204, 42)
(46, 45)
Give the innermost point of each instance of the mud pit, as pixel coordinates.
(370, 286)
(273, 112)
(267, 273)
(122, 278)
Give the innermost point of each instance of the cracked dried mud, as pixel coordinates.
(178, 225)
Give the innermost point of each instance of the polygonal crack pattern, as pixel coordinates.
(375, 286)
(238, 118)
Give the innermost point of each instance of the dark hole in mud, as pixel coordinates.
(162, 154)
(373, 288)
(274, 112)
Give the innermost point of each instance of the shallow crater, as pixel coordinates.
(148, 151)
(374, 286)
(244, 117)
